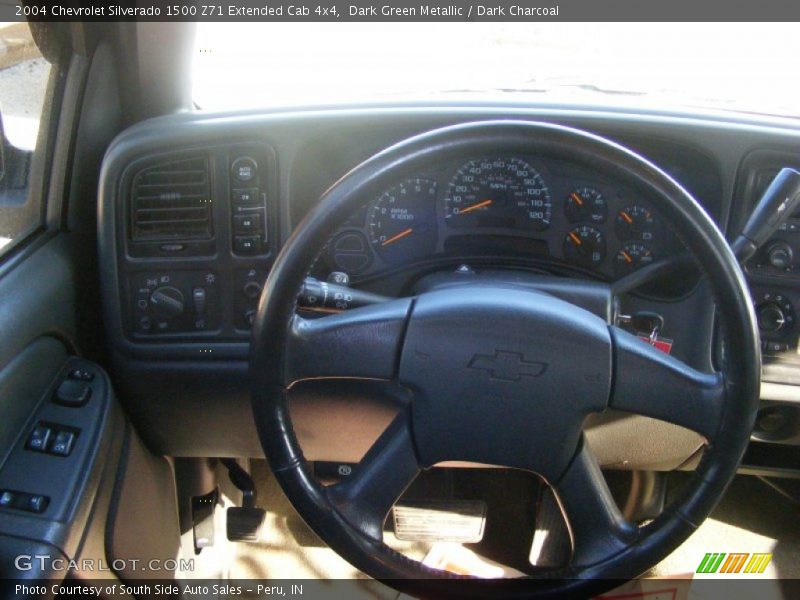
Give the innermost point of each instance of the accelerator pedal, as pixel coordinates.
(203, 519)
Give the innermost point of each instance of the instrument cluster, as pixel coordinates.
(527, 208)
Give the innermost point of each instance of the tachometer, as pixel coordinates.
(503, 193)
(402, 221)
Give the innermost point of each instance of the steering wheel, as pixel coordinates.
(560, 362)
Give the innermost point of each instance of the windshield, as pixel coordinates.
(734, 66)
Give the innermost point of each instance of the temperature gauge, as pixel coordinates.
(635, 223)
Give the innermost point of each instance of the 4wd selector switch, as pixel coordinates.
(167, 301)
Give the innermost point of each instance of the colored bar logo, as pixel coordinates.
(736, 562)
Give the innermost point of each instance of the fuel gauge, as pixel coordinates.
(585, 246)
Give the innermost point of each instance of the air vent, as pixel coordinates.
(172, 201)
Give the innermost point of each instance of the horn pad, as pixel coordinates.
(503, 376)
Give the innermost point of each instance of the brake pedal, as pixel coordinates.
(243, 523)
(203, 519)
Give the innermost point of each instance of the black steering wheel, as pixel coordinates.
(560, 362)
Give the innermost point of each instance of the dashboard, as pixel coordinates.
(194, 208)
(527, 209)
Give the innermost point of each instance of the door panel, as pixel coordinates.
(23, 381)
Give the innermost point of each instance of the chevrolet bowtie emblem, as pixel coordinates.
(507, 366)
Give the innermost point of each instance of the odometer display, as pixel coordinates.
(402, 221)
(498, 193)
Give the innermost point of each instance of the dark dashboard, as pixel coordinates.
(194, 208)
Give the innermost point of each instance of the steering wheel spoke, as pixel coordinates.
(366, 497)
(654, 384)
(362, 343)
(597, 528)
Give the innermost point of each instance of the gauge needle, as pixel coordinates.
(577, 198)
(575, 238)
(399, 236)
(626, 216)
(475, 207)
(627, 256)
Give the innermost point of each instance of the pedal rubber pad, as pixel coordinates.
(244, 524)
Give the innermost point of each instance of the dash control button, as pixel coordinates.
(72, 393)
(245, 195)
(244, 169)
(246, 244)
(247, 223)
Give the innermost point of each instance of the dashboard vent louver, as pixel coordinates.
(172, 201)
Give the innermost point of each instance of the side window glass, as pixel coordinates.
(24, 76)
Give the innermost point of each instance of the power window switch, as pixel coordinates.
(7, 499)
(63, 443)
(36, 503)
(38, 439)
(73, 393)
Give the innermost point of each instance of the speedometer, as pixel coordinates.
(500, 193)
